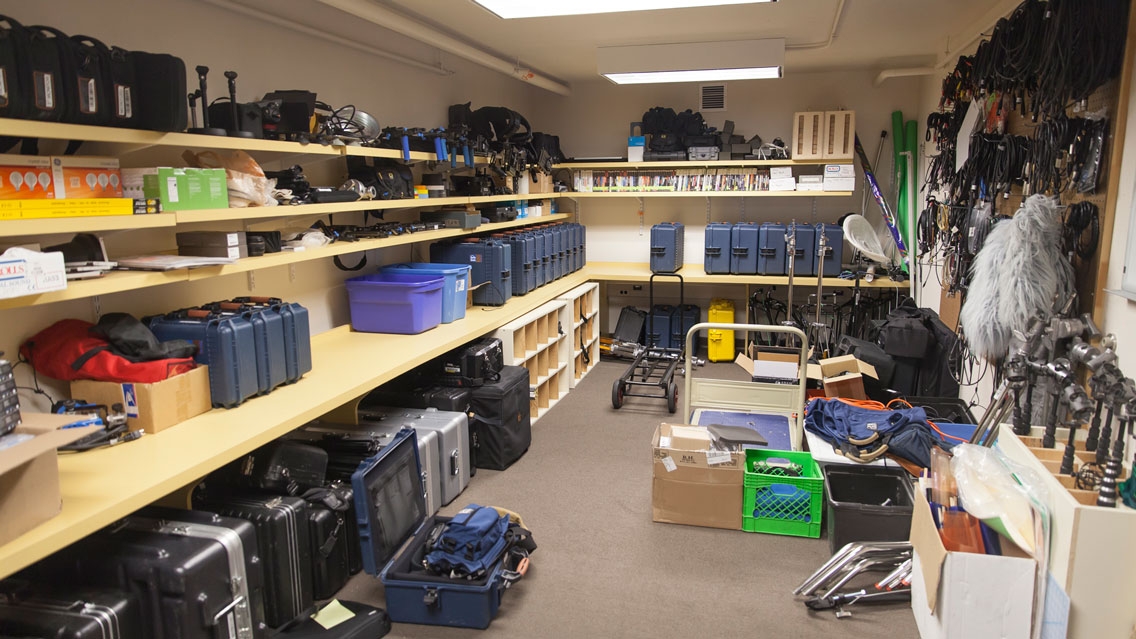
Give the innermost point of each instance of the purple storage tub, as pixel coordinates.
(405, 303)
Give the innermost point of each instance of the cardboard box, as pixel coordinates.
(839, 184)
(29, 473)
(842, 376)
(839, 171)
(77, 176)
(24, 272)
(152, 407)
(25, 177)
(782, 184)
(771, 368)
(780, 172)
(179, 189)
(695, 487)
(959, 595)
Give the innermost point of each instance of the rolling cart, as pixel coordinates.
(653, 366)
(750, 397)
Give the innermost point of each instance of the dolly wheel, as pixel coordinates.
(617, 394)
(672, 397)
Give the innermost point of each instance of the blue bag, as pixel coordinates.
(865, 434)
(469, 544)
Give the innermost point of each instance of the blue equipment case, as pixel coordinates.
(297, 333)
(667, 247)
(771, 249)
(683, 318)
(743, 248)
(268, 331)
(658, 330)
(806, 249)
(490, 260)
(227, 347)
(524, 249)
(391, 509)
(834, 252)
(547, 255)
(717, 250)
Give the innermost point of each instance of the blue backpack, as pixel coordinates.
(470, 544)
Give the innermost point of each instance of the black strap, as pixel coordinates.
(86, 357)
(339, 264)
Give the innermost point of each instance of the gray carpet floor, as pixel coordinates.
(604, 569)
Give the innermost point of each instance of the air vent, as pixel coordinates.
(712, 97)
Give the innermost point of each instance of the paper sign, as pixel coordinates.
(714, 457)
(332, 615)
(669, 464)
(664, 441)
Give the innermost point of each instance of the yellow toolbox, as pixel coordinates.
(721, 343)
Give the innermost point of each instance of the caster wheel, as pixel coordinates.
(617, 394)
(672, 397)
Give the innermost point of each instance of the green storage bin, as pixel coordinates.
(776, 503)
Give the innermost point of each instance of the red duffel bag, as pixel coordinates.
(73, 349)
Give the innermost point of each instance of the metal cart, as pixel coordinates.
(653, 366)
(750, 397)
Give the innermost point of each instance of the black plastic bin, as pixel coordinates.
(951, 410)
(867, 503)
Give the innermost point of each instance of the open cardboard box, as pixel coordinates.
(842, 376)
(152, 407)
(29, 473)
(962, 595)
(692, 484)
(771, 367)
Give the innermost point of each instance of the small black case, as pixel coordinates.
(161, 95)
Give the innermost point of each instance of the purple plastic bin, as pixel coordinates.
(405, 303)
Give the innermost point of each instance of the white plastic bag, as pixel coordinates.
(990, 492)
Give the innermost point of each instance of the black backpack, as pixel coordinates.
(392, 180)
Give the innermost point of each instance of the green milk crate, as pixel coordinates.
(775, 501)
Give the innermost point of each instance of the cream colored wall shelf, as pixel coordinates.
(92, 224)
(119, 281)
(102, 486)
(638, 194)
(693, 274)
(217, 215)
(687, 164)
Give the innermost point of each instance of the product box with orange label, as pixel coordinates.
(25, 177)
(86, 177)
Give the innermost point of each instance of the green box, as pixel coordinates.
(186, 189)
(779, 504)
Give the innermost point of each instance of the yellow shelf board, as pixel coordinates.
(693, 274)
(485, 199)
(137, 137)
(89, 224)
(113, 282)
(217, 215)
(637, 194)
(393, 154)
(102, 486)
(688, 164)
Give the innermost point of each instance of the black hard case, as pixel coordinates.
(161, 96)
(471, 365)
(282, 467)
(330, 539)
(500, 429)
(186, 583)
(440, 397)
(369, 622)
(85, 614)
(282, 534)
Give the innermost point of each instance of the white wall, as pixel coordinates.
(267, 58)
(1118, 311)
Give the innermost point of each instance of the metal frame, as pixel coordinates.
(780, 399)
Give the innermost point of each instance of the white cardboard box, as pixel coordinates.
(24, 272)
(839, 184)
(783, 184)
(839, 171)
(776, 172)
(960, 595)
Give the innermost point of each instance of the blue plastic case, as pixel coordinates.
(227, 346)
(771, 249)
(667, 243)
(716, 258)
(390, 505)
(743, 248)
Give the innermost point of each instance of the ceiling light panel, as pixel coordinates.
(510, 9)
(692, 62)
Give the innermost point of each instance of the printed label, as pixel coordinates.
(172, 188)
(461, 285)
(128, 102)
(131, 399)
(715, 457)
(44, 90)
(3, 86)
(669, 464)
(88, 98)
(871, 426)
(234, 252)
(664, 441)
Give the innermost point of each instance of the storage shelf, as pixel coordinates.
(541, 412)
(102, 486)
(118, 281)
(636, 194)
(540, 348)
(91, 224)
(692, 164)
(693, 274)
(542, 379)
(217, 215)
(579, 351)
(588, 317)
(485, 199)
(140, 138)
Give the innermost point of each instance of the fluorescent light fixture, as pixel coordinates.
(692, 62)
(510, 9)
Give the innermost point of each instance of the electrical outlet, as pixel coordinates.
(636, 287)
(623, 292)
